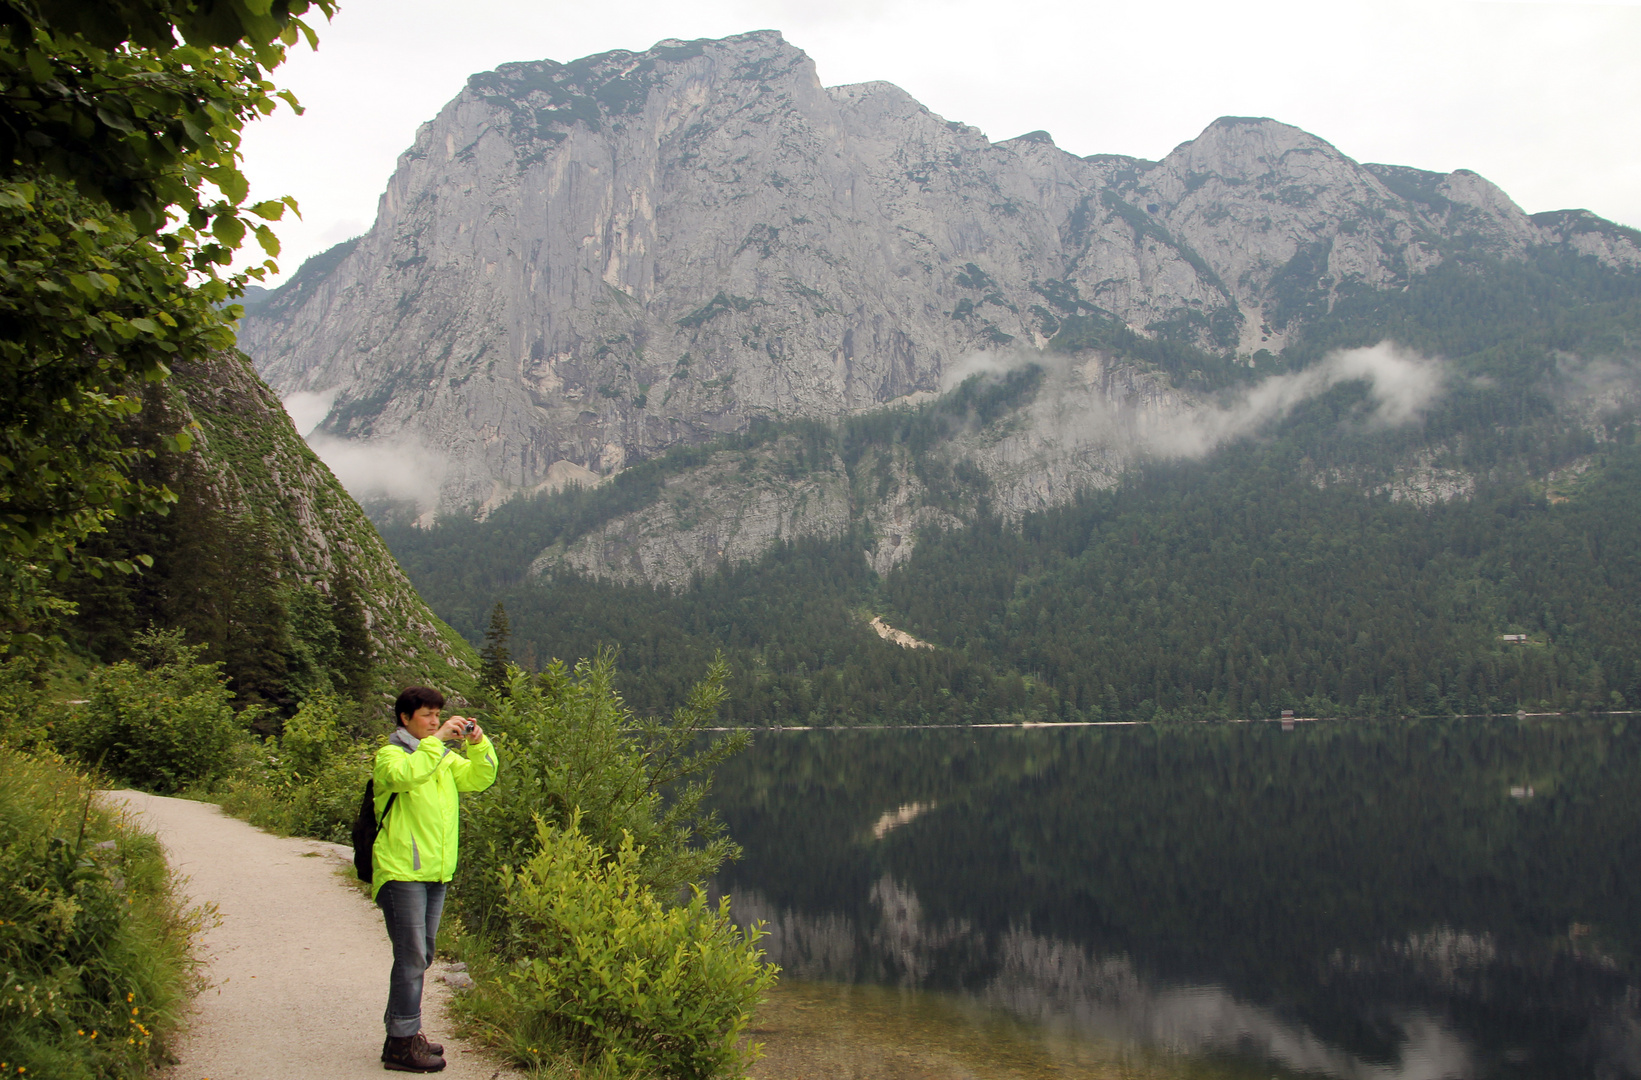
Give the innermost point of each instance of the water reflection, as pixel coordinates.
(1349, 901)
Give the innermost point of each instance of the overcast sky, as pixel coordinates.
(1544, 99)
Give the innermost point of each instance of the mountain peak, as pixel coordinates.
(1246, 147)
(582, 264)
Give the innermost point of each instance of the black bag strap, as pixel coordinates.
(382, 824)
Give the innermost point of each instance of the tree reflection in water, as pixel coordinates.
(1342, 899)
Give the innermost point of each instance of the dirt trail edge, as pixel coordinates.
(297, 966)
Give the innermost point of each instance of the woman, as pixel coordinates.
(417, 777)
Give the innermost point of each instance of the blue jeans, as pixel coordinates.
(412, 909)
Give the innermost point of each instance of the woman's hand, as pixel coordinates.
(455, 729)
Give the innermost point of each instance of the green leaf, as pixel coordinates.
(231, 182)
(265, 236)
(115, 121)
(38, 65)
(228, 228)
(17, 196)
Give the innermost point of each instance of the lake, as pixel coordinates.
(1420, 899)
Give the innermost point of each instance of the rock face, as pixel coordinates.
(1082, 426)
(578, 265)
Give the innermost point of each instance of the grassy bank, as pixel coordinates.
(94, 941)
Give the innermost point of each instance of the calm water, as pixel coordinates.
(1418, 900)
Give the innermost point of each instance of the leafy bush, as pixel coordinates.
(592, 960)
(161, 722)
(568, 743)
(312, 737)
(312, 785)
(94, 962)
(324, 807)
(25, 710)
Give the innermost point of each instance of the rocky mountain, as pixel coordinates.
(1064, 427)
(577, 266)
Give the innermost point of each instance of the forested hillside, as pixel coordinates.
(264, 558)
(1302, 567)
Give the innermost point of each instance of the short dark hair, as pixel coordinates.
(412, 698)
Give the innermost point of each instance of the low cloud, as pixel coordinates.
(308, 409)
(1602, 386)
(1402, 386)
(1143, 415)
(986, 363)
(398, 470)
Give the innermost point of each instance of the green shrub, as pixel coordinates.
(94, 963)
(569, 744)
(312, 785)
(594, 963)
(325, 806)
(24, 706)
(160, 723)
(312, 737)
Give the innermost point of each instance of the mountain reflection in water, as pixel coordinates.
(1348, 900)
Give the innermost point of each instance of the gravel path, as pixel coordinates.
(297, 966)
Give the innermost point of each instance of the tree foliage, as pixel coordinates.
(572, 747)
(121, 207)
(102, 94)
(495, 657)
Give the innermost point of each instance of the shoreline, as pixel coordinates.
(1022, 724)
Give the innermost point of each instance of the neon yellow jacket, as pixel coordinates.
(418, 838)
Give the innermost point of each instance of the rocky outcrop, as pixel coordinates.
(582, 264)
(731, 510)
(1087, 421)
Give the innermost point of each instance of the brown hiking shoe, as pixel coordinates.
(437, 1049)
(410, 1054)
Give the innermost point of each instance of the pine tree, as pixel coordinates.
(495, 656)
(256, 647)
(353, 666)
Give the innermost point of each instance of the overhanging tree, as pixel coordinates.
(122, 205)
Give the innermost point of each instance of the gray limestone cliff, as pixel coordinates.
(579, 265)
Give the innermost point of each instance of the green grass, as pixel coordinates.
(95, 967)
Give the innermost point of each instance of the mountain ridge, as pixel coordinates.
(584, 264)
